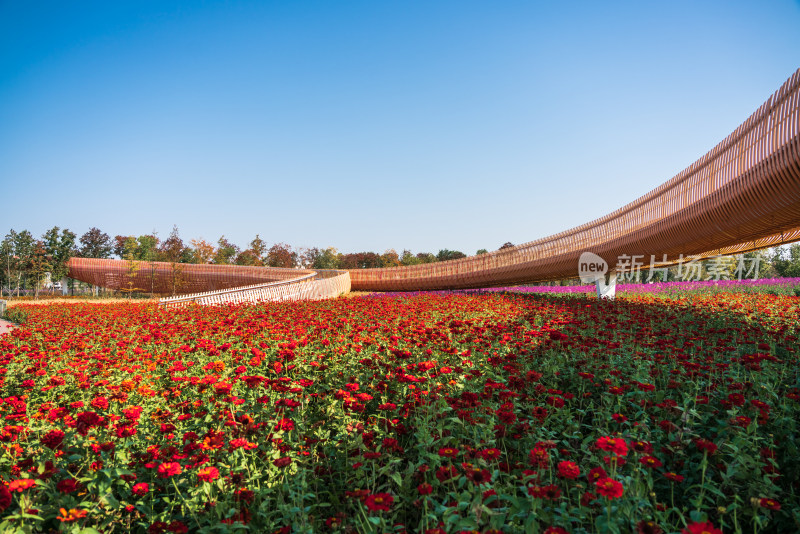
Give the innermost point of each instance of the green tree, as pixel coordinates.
(22, 244)
(408, 258)
(481, 251)
(445, 255)
(147, 247)
(786, 261)
(326, 259)
(226, 252)
(9, 260)
(60, 247)
(254, 255)
(248, 257)
(38, 265)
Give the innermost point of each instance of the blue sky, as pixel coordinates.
(368, 125)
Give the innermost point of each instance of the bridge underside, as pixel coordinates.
(743, 195)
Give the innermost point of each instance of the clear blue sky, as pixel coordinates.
(368, 125)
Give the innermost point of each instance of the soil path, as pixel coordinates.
(5, 326)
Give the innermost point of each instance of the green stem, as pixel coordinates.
(703, 481)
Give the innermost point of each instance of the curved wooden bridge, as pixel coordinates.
(742, 195)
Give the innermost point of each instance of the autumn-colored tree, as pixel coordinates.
(361, 260)
(202, 251)
(426, 257)
(173, 250)
(119, 245)
(95, 244)
(390, 258)
(133, 266)
(281, 255)
(253, 256)
(507, 244)
(259, 248)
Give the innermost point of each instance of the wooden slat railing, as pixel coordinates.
(315, 286)
(742, 195)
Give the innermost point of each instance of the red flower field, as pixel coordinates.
(427, 413)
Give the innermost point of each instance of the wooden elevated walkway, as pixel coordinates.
(742, 195)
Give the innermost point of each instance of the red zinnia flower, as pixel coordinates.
(555, 530)
(650, 461)
(5, 497)
(446, 473)
(53, 439)
(608, 487)
(68, 516)
(208, 474)
(282, 462)
(476, 474)
(284, 424)
(490, 454)
(448, 452)
(169, 469)
(568, 469)
(68, 485)
(707, 446)
(21, 484)
(140, 489)
(674, 477)
(551, 492)
(648, 527)
(425, 489)
(539, 457)
(701, 528)
(615, 445)
(379, 501)
(771, 504)
(597, 473)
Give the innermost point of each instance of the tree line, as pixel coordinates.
(28, 261)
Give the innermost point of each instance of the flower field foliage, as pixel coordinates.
(769, 286)
(421, 414)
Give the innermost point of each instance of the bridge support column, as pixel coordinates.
(607, 290)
